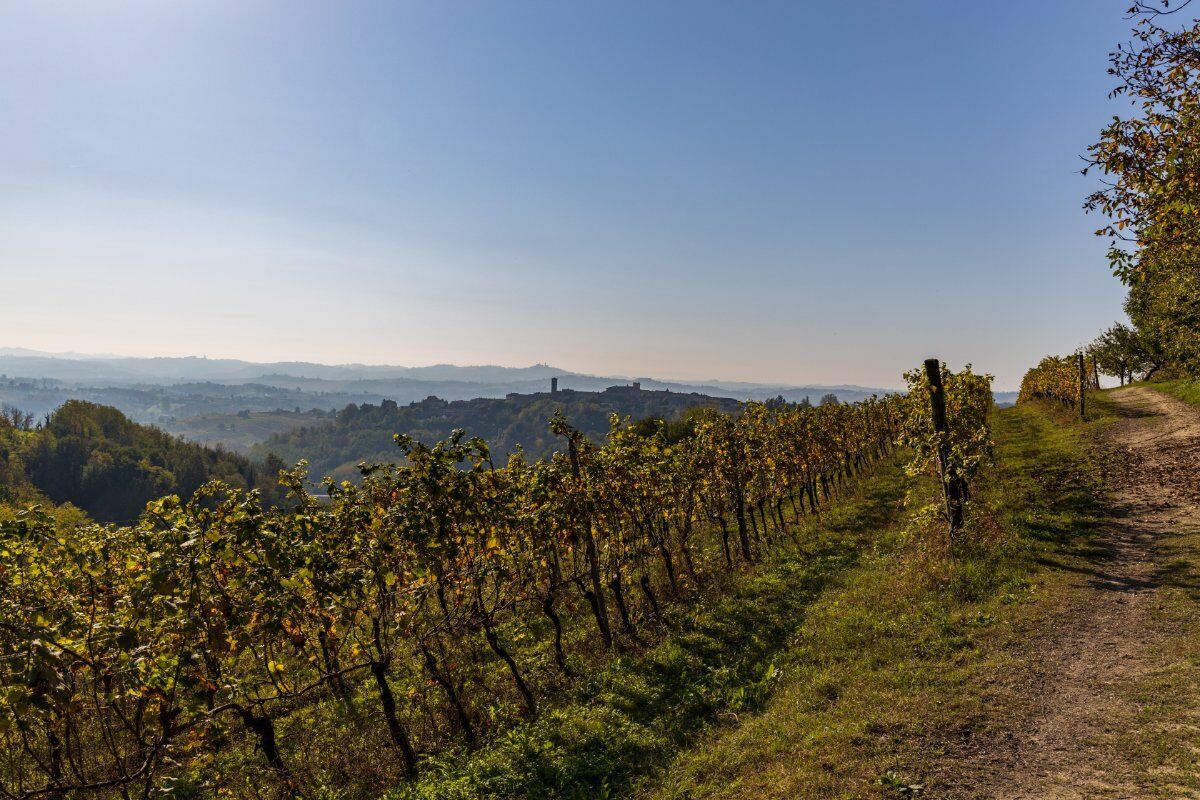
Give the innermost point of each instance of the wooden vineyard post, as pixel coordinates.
(952, 484)
(1082, 380)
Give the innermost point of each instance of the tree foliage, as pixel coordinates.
(1124, 352)
(97, 459)
(1150, 160)
(364, 432)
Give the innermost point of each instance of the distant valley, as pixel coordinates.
(338, 415)
(240, 404)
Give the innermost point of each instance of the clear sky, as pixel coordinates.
(796, 191)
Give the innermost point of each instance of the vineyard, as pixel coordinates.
(433, 606)
(1061, 379)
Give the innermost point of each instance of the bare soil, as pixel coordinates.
(1101, 635)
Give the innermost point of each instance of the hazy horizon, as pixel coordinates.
(18, 351)
(783, 193)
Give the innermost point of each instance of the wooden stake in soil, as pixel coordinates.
(1082, 380)
(952, 484)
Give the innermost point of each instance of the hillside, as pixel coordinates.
(600, 401)
(173, 392)
(97, 459)
(94, 370)
(241, 431)
(379, 639)
(365, 433)
(1057, 660)
(780, 615)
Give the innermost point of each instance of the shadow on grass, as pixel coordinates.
(627, 719)
(1048, 482)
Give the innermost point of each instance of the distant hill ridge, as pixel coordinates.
(160, 369)
(364, 433)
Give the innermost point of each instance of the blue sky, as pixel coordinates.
(799, 192)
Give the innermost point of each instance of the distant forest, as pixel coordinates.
(365, 432)
(173, 393)
(96, 458)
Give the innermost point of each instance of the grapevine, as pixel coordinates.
(448, 594)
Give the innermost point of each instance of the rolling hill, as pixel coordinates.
(364, 433)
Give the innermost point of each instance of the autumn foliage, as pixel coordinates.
(448, 594)
(1057, 378)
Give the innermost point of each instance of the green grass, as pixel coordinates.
(886, 666)
(1184, 388)
(836, 670)
(1160, 742)
(718, 662)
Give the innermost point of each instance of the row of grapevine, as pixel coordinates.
(447, 596)
(1059, 378)
(429, 606)
(955, 447)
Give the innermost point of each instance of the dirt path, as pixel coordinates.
(1105, 637)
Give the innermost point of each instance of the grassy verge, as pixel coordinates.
(717, 662)
(1161, 740)
(1183, 388)
(885, 670)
